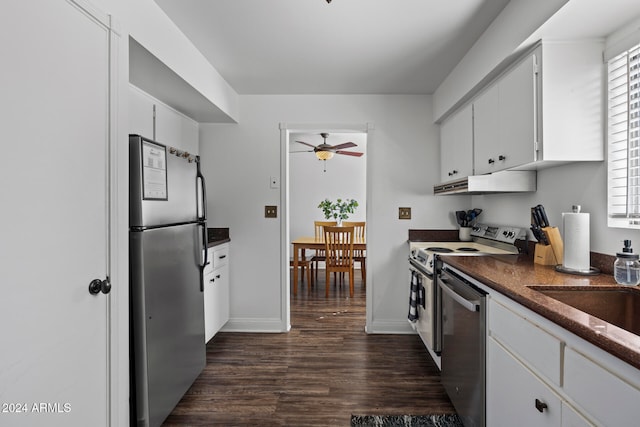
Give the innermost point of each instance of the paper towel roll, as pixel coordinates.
(576, 241)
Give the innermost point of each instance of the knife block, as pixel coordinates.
(555, 241)
(544, 255)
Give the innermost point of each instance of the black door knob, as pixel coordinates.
(96, 286)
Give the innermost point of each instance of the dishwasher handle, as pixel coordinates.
(469, 305)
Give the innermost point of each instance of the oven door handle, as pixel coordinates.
(418, 270)
(469, 305)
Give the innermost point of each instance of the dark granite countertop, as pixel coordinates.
(511, 275)
(217, 236)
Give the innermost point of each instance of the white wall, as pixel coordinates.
(147, 23)
(403, 165)
(513, 26)
(309, 184)
(171, 127)
(559, 188)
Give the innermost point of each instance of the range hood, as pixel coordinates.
(497, 182)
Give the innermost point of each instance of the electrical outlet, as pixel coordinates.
(404, 213)
(270, 211)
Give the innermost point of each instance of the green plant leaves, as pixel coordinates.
(340, 209)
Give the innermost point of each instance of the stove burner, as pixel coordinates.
(439, 250)
(467, 249)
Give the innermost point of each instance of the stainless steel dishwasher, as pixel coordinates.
(463, 345)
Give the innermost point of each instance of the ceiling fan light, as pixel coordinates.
(324, 155)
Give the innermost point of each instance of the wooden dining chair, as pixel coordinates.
(305, 265)
(318, 233)
(338, 243)
(359, 255)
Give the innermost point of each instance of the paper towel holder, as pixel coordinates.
(592, 271)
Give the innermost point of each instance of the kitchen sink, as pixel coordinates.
(618, 306)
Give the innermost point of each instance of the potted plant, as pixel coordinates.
(338, 210)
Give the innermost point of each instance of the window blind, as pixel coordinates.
(624, 139)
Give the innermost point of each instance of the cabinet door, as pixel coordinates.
(456, 145)
(517, 110)
(607, 397)
(209, 305)
(570, 418)
(221, 290)
(504, 121)
(515, 397)
(216, 291)
(486, 133)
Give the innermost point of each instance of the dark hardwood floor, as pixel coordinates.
(325, 369)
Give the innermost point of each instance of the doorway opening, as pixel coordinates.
(308, 181)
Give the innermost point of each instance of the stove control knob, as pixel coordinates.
(431, 263)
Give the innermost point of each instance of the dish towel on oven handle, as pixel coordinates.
(416, 296)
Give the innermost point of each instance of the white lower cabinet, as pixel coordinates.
(536, 378)
(515, 396)
(216, 290)
(606, 395)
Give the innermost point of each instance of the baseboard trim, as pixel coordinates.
(390, 327)
(255, 325)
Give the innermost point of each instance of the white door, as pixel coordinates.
(54, 116)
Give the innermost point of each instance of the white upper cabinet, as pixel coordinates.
(456, 145)
(505, 120)
(543, 110)
(571, 103)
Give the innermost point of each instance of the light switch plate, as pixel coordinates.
(404, 213)
(270, 211)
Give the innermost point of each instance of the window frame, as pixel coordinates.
(623, 138)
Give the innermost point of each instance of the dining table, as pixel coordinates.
(301, 244)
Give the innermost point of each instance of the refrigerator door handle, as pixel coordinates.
(206, 254)
(202, 219)
(203, 196)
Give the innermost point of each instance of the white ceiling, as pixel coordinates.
(359, 46)
(346, 47)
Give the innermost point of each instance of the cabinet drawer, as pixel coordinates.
(601, 393)
(539, 349)
(220, 256)
(515, 396)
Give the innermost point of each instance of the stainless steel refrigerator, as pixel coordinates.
(167, 241)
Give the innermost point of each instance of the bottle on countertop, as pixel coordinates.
(626, 268)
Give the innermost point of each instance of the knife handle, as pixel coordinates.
(543, 216)
(536, 216)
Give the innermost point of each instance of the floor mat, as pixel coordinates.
(449, 420)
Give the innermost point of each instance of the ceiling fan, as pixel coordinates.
(325, 151)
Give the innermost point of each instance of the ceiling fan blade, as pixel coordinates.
(345, 145)
(307, 144)
(303, 151)
(350, 153)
